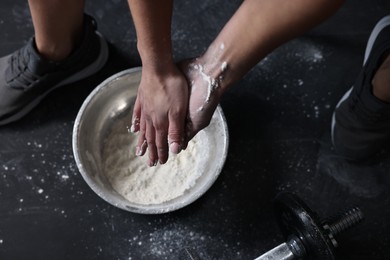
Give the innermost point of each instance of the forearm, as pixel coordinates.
(257, 28)
(152, 20)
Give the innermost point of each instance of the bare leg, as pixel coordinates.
(381, 81)
(58, 26)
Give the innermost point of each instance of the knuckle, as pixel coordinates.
(160, 129)
(174, 136)
(142, 131)
(151, 144)
(176, 114)
(161, 149)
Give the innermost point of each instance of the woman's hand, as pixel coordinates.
(205, 92)
(159, 113)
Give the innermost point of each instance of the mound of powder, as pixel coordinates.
(131, 177)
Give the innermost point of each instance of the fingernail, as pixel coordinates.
(175, 148)
(138, 151)
(152, 163)
(132, 129)
(134, 123)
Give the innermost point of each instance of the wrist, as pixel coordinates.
(161, 64)
(216, 65)
(155, 57)
(158, 65)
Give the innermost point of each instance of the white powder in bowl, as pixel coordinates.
(131, 177)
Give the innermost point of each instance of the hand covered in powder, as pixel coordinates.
(205, 93)
(159, 112)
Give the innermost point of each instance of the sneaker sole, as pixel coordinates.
(384, 22)
(86, 72)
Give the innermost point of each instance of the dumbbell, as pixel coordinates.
(307, 237)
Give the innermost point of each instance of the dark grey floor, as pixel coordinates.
(278, 117)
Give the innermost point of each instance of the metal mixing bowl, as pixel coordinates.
(111, 102)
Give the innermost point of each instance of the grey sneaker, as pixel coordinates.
(26, 77)
(361, 122)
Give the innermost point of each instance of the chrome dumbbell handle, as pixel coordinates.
(307, 235)
(292, 249)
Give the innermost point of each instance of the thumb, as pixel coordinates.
(135, 121)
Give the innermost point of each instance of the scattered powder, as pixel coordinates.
(212, 83)
(308, 52)
(223, 66)
(134, 122)
(317, 57)
(131, 177)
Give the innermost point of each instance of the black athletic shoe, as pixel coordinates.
(361, 122)
(26, 77)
